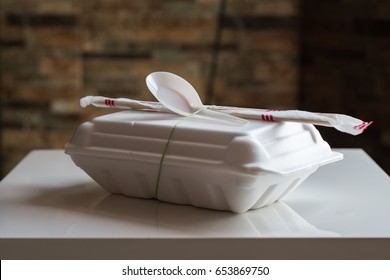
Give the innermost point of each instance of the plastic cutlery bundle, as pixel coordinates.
(177, 95)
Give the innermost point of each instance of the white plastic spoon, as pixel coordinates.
(179, 96)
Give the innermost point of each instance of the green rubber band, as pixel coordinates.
(166, 149)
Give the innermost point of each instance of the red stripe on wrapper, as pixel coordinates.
(362, 126)
(109, 102)
(266, 117)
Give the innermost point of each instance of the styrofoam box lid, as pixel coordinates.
(255, 147)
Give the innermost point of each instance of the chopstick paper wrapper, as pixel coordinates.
(340, 122)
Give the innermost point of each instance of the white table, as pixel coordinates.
(49, 208)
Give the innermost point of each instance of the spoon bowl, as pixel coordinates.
(180, 97)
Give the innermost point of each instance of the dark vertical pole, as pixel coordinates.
(215, 52)
(301, 56)
(1, 112)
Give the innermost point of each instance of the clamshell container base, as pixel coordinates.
(206, 163)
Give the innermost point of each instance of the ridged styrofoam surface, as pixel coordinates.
(207, 164)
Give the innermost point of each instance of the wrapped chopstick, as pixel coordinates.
(343, 123)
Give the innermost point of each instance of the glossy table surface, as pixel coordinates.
(47, 197)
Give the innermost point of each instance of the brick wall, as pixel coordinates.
(53, 52)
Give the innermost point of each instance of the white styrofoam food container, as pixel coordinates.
(206, 164)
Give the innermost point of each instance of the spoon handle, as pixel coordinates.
(214, 115)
